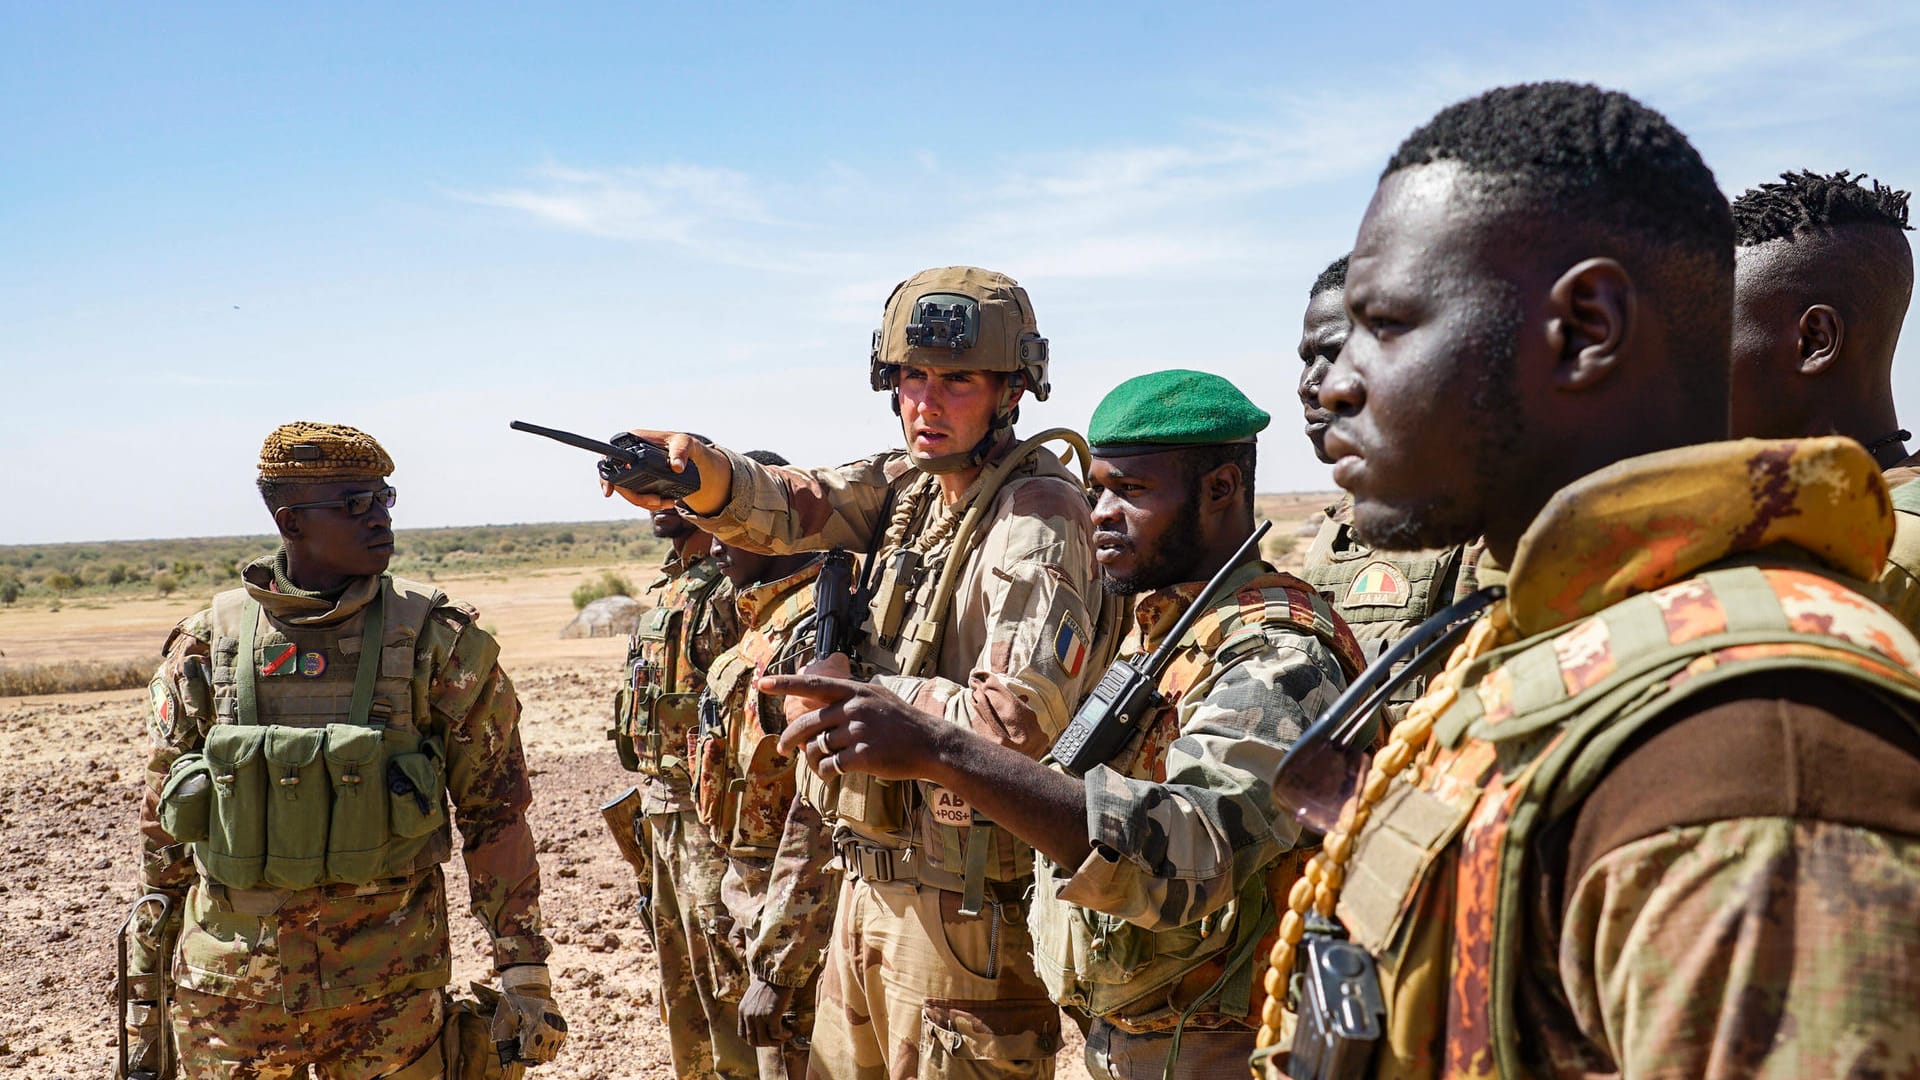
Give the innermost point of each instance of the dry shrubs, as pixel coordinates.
(74, 676)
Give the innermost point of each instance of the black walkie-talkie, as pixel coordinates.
(1124, 694)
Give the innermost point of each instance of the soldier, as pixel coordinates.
(1381, 595)
(1159, 872)
(1822, 277)
(745, 786)
(979, 617)
(309, 732)
(691, 623)
(1661, 820)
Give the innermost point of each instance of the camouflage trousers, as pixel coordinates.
(744, 891)
(223, 1038)
(701, 977)
(1123, 1055)
(912, 988)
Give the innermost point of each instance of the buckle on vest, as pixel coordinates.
(866, 862)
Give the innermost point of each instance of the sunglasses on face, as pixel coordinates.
(356, 505)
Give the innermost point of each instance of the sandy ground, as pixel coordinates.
(70, 770)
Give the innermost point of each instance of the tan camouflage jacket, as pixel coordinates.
(1899, 583)
(334, 945)
(709, 629)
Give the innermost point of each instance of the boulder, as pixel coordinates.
(609, 616)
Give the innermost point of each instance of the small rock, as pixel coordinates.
(103, 863)
(59, 933)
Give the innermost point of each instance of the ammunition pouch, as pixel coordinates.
(293, 808)
(466, 1039)
(712, 774)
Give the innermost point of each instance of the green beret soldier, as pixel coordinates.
(1161, 869)
(315, 734)
(983, 620)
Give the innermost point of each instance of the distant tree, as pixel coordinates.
(565, 537)
(117, 575)
(10, 590)
(610, 584)
(166, 583)
(64, 582)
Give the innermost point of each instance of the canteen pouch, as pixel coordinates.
(235, 853)
(357, 833)
(415, 783)
(297, 804)
(186, 801)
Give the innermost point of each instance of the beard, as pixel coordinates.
(1170, 563)
(1495, 460)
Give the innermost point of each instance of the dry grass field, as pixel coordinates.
(70, 768)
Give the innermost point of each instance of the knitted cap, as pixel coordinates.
(306, 452)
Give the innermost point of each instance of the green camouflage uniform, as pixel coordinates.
(690, 923)
(1665, 823)
(1157, 930)
(746, 786)
(344, 977)
(911, 986)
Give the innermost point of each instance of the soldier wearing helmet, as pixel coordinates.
(979, 554)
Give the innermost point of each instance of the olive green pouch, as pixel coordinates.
(297, 807)
(357, 833)
(235, 852)
(186, 802)
(415, 787)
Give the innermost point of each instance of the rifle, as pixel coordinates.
(836, 618)
(1125, 693)
(629, 462)
(125, 1068)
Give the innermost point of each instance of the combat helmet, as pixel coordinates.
(968, 318)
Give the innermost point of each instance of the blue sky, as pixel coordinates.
(432, 220)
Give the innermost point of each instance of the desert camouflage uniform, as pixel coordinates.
(1717, 919)
(690, 923)
(344, 977)
(1384, 595)
(745, 788)
(1188, 843)
(911, 986)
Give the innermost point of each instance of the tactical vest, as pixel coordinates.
(656, 709)
(916, 831)
(743, 785)
(1203, 973)
(1381, 596)
(1434, 886)
(321, 767)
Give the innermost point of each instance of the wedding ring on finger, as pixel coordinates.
(820, 744)
(830, 764)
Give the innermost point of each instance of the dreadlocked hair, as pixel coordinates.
(1803, 201)
(1333, 277)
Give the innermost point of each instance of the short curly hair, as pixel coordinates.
(1333, 277)
(1601, 168)
(1804, 201)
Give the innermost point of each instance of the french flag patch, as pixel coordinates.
(1070, 646)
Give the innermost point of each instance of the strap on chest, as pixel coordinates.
(366, 669)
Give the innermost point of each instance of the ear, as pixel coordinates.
(1591, 311)
(1015, 388)
(1822, 331)
(287, 522)
(1222, 486)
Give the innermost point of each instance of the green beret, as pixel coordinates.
(1170, 409)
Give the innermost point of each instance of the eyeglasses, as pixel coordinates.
(356, 505)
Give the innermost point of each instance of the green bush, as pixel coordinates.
(166, 583)
(9, 591)
(64, 582)
(610, 584)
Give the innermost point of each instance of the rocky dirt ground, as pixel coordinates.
(70, 770)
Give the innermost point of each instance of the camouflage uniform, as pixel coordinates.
(1900, 582)
(746, 786)
(1157, 931)
(691, 625)
(343, 977)
(912, 986)
(1663, 822)
(1382, 595)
